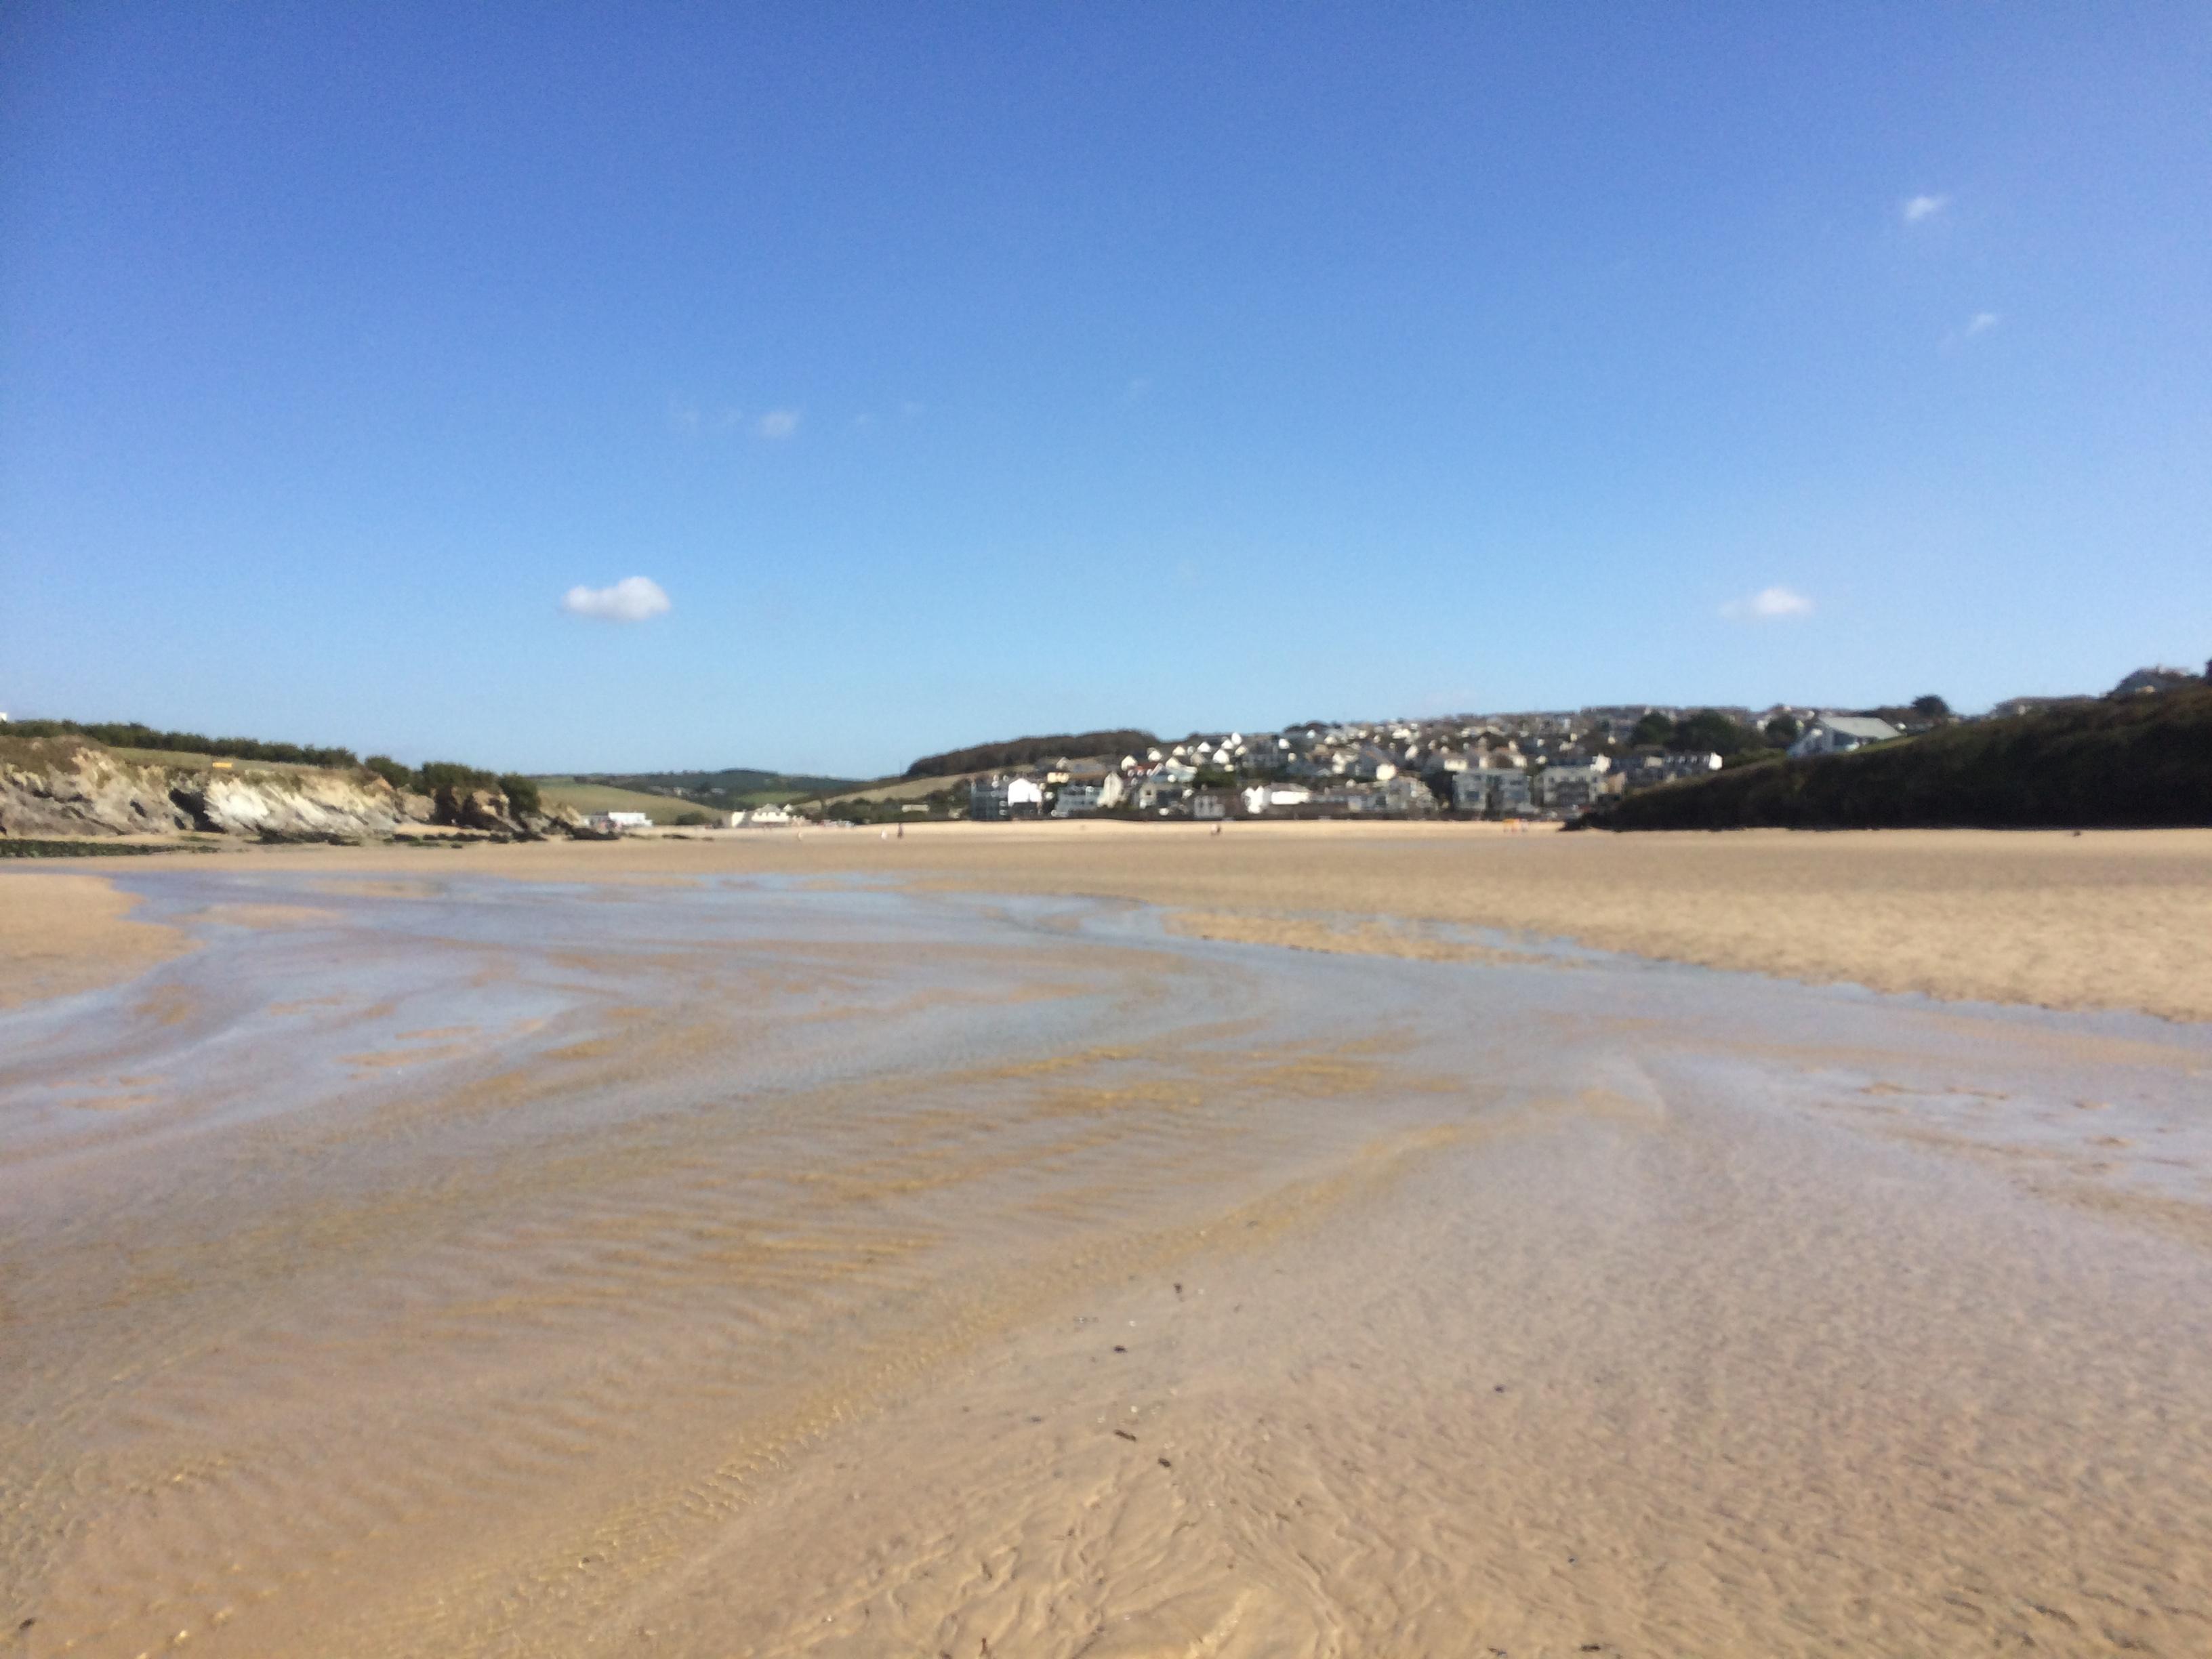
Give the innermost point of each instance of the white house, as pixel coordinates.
(1274, 797)
(761, 817)
(998, 799)
(1836, 734)
(615, 823)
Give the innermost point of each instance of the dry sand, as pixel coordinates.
(717, 1255)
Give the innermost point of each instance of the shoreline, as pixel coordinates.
(2117, 919)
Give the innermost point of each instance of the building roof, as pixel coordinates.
(1863, 727)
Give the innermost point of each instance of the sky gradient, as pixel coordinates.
(949, 372)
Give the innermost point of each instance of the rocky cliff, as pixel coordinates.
(65, 786)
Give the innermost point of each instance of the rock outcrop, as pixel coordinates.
(65, 786)
(476, 809)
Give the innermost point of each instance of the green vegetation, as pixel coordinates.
(17, 848)
(587, 797)
(888, 808)
(2135, 761)
(1027, 752)
(521, 793)
(1709, 730)
(130, 734)
(731, 789)
(451, 777)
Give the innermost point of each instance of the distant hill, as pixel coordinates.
(731, 789)
(1028, 751)
(2135, 762)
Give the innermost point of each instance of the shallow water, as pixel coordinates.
(455, 1266)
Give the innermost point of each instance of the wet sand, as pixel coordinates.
(456, 1253)
(60, 934)
(2104, 920)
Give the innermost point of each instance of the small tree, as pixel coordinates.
(1709, 729)
(1931, 706)
(521, 793)
(400, 777)
(1654, 727)
(1783, 730)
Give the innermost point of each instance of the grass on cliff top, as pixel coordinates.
(184, 760)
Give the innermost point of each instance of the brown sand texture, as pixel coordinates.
(60, 934)
(781, 1250)
(2050, 919)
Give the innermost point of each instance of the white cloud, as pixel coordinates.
(1918, 207)
(1769, 604)
(634, 598)
(1980, 323)
(778, 424)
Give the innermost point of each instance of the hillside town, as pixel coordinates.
(1553, 765)
(1550, 764)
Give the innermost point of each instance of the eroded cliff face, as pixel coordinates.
(64, 786)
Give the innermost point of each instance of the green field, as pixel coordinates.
(901, 789)
(590, 798)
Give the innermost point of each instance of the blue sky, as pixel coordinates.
(955, 372)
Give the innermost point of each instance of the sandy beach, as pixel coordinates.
(1083, 1241)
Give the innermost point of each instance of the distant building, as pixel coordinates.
(998, 799)
(1275, 798)
(1209, 805)
(1836, 734)
(1645, 771)
(1405, 797)
(2011, 706)
(761, 817)
(1573, 788)
(1079, 800)
(2155, 679)
(617, 824)
(1498, 784)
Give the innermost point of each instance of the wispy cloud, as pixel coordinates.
(632, 599)
(1919, 208)
(778, 424)
(1979, 324)
(1768, 604)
